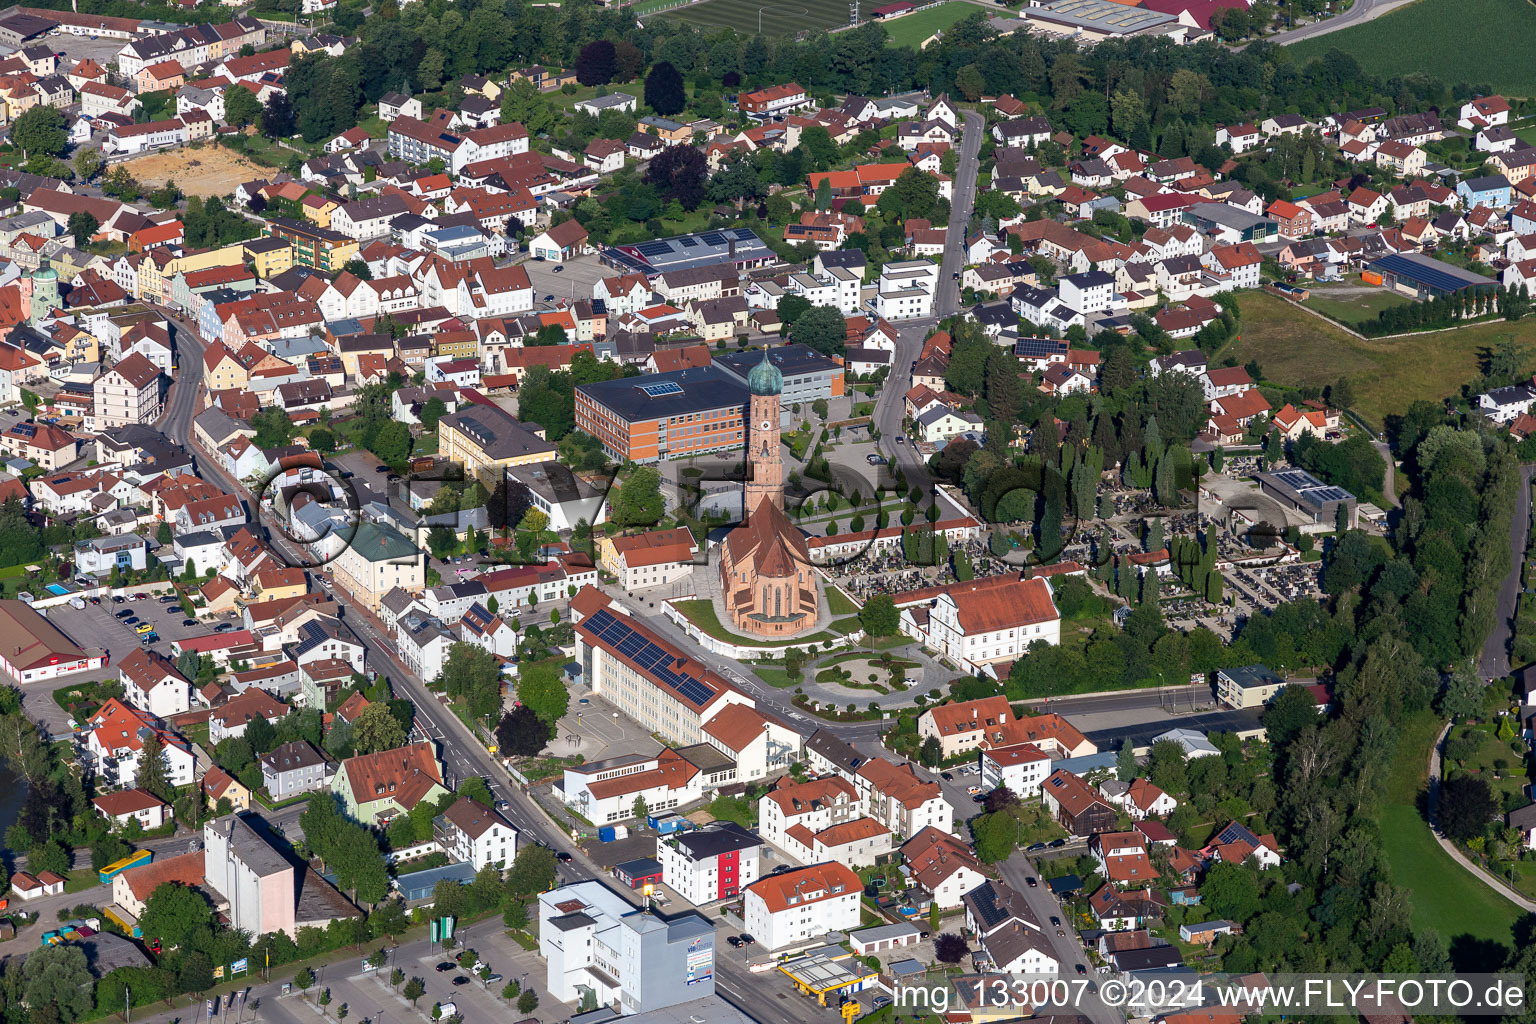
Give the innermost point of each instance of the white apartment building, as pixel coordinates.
(151, 683)
(799, 906)
(710, 864)
(1022, 768)
(906, 289)
(982, 622)
(813, 805)
(468, 831)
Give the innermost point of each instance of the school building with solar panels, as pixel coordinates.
(653, 683)
(739, 247)
(1302, 492)
(808, 375)
(664, 415)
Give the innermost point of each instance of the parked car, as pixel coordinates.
(223, 627)
(446, 965)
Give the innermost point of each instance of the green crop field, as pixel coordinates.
(1479, 42)
(777, 17)
(914, 28)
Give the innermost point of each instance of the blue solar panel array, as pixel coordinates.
(646, 656)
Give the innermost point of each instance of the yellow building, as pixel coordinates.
(319, 209)
(378, 560)
(269, 256)
(221, 370)
(278, 584)
(207, 259)
(485, 440)
(456, 345)
(220, 785)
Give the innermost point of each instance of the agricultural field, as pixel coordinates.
(1479, 42)
(914, 28)
(1294, 347)
(777, 17)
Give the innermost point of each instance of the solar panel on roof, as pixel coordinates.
(631, 645)
(695, 691)
(688, 243)
(597, 621)
(714, 238)
(650, 656)
(666, 387)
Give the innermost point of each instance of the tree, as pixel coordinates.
(174, 913)
(595, 63)
(274, 428)
(879, 616)
(322, 441)
(375, 729)
(87, 163)
(433, 411)
(1292, 711)
(540, 688)
(533, 871)
(154, 773)
(821, 328)
(528, 1001)
(994, 836)
(664, 89)
(196, 974)
(641, 809)
(521, 733)
(1462, 697)
(414, 990)
(1125, 762)
(241, 107)
(277, 118)
(82, 225)
(1466, 806)
(1230, 891)
(639, 501)
(950, 947)
(931, 752)
(472, 675)
(57, 977)
(680, 173)
(40, 130)
(260, 734)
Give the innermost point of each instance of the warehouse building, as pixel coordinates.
(737, 247)
(32, 648)
(1426, 278)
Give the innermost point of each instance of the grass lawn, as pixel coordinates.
(1490, 41)
(734, 808)
(1352, 307)
(914, 28)
(1294, 347)
(701, 612)
(1446, 897)
(839, 603)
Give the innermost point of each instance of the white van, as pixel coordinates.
(447, 1009)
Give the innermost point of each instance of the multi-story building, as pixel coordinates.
(664, 415)
(943, 865)
(807, 808)
(798, 906)
(295, 768)
(982, 623)
(375, 788)
(486, 441)
(906, 289)
(472, 832)
(116, 738)
(667, 691)
(651, 559)
(127, 393)
(808, 375)
(1020, 768)
(709, 864)
(600, 949)
(313, 246)
(153, 684)
(609, 790)
(772, 100)
(378, 560)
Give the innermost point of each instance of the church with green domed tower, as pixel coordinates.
(766, 578)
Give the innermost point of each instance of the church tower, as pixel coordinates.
(45, 293)
(765, 464)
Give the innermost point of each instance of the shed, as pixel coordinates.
(638, 873)
(418, 885)
(888, 936)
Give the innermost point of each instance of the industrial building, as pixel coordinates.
(738, 247)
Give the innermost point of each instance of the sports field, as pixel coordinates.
(912, 29)
(777, 17)
(1478, 42)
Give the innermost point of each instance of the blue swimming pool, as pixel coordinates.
(57, 588)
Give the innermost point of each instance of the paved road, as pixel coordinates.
(1495, 660)
(1068, 950)
(463, 754)
(947, 301)
(1389, 482)
(1362, 12)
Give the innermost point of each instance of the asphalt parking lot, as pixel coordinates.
(566, 281)
(98, 625)
(103, 51)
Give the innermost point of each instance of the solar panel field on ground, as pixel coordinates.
(779, 17)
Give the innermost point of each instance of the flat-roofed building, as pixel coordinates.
(664, 415)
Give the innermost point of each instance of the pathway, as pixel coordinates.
(1497, 885)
